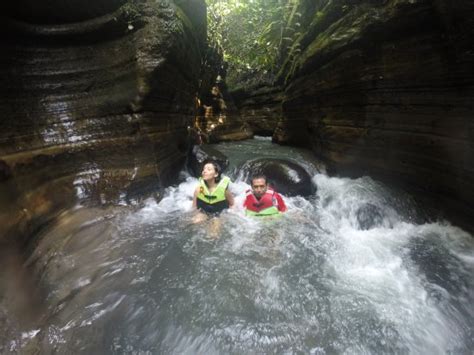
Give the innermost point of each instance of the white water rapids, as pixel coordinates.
(350, 270)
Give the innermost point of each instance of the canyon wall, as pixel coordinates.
(260, 107)
(386, 89)
(96, 102)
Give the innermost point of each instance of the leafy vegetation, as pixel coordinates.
(251, 33)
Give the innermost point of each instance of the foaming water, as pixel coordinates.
(348, 270)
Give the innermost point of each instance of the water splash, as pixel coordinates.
(348, 270)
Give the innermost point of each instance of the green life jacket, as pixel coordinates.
(218, 195)
(271, 211)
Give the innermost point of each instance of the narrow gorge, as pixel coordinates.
(103, 104)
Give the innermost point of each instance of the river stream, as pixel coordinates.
(351, 269)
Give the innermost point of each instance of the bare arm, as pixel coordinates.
(196, 193)
(229, 197)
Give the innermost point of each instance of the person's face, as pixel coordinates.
(209, 172)
(259, 187)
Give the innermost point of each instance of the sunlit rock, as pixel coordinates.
(218, 119)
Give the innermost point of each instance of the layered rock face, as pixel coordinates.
(386, 88)
(96, 101)
(260, 107)
(219, 119)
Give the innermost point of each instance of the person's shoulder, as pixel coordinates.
(225, 179)
(280, 197)
(273, 191)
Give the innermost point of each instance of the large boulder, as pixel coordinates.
(201, 153)
(287, 177)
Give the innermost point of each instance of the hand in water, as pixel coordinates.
(199, 217)
(213, 227)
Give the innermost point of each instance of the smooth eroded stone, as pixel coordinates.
(286, 177)
(5, 171)
(200, 153)
(97, 98)
(58, 11)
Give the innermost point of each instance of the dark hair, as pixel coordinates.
(258, 176)
(216, 167)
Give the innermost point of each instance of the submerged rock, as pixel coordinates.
(369, 216)
(285, 176)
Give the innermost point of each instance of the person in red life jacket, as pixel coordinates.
(261, 200)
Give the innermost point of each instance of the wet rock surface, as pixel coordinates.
(202, 153)
(284, 176)
(219, 119)
(58, 12)
(96, 103)
(260, 107)
(386, 89)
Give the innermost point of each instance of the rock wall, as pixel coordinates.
(219, 119)
(386, 88)
(260, 107)
(96, 101)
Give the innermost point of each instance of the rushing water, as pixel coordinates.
(348, 270)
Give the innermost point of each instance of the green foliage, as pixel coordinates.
(250, 32)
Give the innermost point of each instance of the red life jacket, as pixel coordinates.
(266, 201)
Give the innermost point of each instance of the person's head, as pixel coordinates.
(210, 171)
(259, 185)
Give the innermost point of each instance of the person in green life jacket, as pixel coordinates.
(261, 200)
(212, 195)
